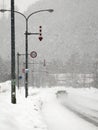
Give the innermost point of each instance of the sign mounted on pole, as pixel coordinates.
(40, 33)
(33, 54)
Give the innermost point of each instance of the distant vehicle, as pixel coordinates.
(61, 93)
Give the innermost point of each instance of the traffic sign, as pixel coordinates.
(40, 38)
(26, 70)
(33, 54)
(40, 33)
(23, 70)
(20, 77)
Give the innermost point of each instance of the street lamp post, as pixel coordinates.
(13, 81)
(18, 69)
(26, 40)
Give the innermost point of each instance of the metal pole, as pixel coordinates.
(18, 70)
(33, 74)
(26, 67)
(13, 77)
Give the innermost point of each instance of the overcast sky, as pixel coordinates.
(22, 4)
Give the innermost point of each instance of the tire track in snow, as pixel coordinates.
(83, 115)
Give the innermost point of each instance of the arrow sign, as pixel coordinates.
(40, 38)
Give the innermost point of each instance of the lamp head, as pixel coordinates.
(2, 10)
(50, 10)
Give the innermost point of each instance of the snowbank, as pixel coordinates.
(26, 114)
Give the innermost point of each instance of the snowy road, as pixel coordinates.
(58, 117)
(84, 107)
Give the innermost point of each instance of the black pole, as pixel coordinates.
(26, 67)
(18, 70)
(13, 77)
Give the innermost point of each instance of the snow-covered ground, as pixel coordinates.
(43, 111)
(83, 102)
(25, 115)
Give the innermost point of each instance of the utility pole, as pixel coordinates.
(18, 70)
(26, 67)
(13, 77)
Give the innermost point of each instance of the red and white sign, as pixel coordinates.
(25, 70)
(33, 54)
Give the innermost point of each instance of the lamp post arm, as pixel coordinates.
(7, 10)
(48, 10)
(20, 14)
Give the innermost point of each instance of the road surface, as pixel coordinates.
(84, 107)
(59, 117)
